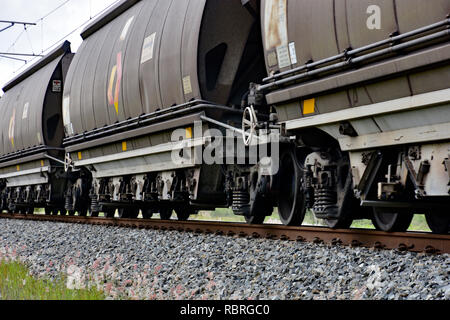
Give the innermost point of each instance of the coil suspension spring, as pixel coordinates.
(325, 198)
(241, 202)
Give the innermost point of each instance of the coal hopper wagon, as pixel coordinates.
(350, 100)
(363, 88)
(32, 173)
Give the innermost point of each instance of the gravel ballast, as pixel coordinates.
(148, 264)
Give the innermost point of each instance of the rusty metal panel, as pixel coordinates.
(170, 76)
(414, 14)
(341, 25)
(430, 80)
(72, 101)
(31, 105)
(274, 20)
(131, 82)
(100, 92)
(223, 38)
(120, 36)
(389, 90)
(189, 62)
(322, 29)
(85, 87)
(292, 29)
(95, 83)
(358, 16)
(137, 27)
(149, 74)
(312, 27)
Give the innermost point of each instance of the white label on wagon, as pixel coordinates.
(25, 111)
(284, 59)
(147, 49)
(293, 53)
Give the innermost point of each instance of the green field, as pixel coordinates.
(17, 284)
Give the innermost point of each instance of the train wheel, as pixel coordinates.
(259, 219)
(83, 213)
(166, 213)
(147, 213)
(71, 213)
(183, 213)
(109, 213)
(134, 213)
(29, 211)
(261, 205)
(127, 213)
(95, 214)
(122, 213)
(439, 223)
(291, 203)
(391, 220)
(347, 202)
(48, 211)
(63, 212)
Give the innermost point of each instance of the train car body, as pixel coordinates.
(349, 99)
(32, 135)
(370, 81)
(145, 69)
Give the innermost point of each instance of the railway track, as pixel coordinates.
(409, 241)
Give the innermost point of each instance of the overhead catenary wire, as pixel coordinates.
(55, 43)
(54, 10)
(34, 24)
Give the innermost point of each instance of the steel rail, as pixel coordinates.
(409, 241)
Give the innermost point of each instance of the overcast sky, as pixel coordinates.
(55, 27)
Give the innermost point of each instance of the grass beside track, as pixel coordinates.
(17, 284)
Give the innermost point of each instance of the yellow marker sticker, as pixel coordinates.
(80, 156)
(309, 106)
(42, 163)
(18, 168)
(189, 133)
(124, 146)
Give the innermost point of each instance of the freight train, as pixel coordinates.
(350, 99)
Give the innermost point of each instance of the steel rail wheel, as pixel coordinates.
(83, 212)
(183, 213)
(165, 213)
(128, 213)
(391, 220)
(347, 203)
(439, 223)
(291, 203)
(261, 205)
(147, 213)
(258, 219)
(109, 212)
